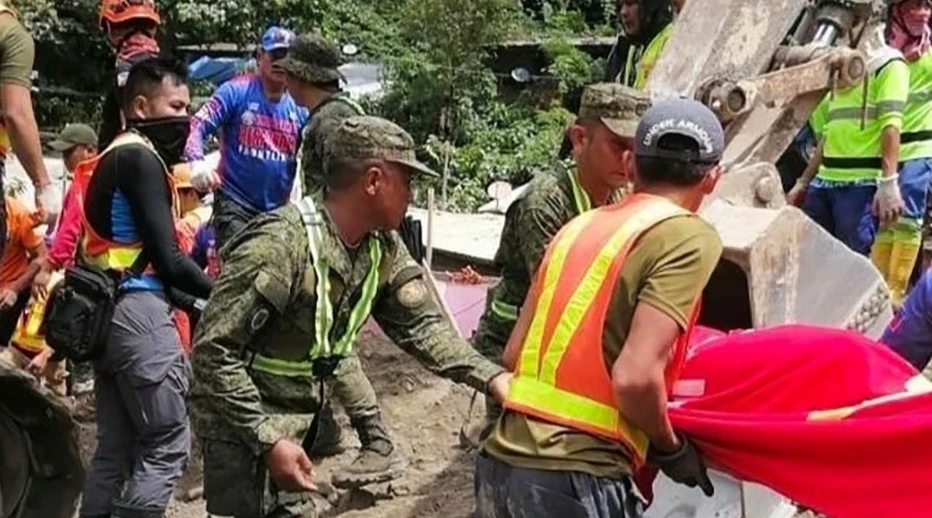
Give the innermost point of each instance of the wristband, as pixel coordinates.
(892, 177)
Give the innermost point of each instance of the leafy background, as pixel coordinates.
(435, 52)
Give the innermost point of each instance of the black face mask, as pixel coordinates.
(168, 134)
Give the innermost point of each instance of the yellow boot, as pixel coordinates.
(907, 239)
(881, 252)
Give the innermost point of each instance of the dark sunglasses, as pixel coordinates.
(277, 54)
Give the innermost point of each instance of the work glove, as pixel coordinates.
(203, 177)
(410, 231)
(888, 202)
(683, 466)
(49, 200)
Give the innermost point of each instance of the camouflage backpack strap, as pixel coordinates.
(344, 98)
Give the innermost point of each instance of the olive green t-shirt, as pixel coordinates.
(17, 52)
(667, 268)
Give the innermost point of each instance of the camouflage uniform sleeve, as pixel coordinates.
(260, 271)
(411, 317)
(537, 226)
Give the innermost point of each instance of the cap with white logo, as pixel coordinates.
(684, 117)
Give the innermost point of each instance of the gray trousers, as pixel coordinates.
(503, 491)
(143, 433)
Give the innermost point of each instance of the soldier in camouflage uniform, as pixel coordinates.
(608, 116)
(263, 350)
(314, 81)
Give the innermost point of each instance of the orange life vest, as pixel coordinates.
(104, 253)
(561, 376)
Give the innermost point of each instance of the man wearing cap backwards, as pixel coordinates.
(314, 79)
(603, 131)
(602, 337)
(296, 287)
(259, 124)
(18, 130)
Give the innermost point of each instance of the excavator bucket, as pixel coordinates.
(41, 474)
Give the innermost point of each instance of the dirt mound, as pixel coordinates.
(424, 413)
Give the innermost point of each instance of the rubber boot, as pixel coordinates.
(881, 252)
(329, 440)
(378, 460)
(907, 239)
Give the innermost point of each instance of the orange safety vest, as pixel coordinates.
(561, 375)
(104, 253)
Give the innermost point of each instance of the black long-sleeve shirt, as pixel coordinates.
(136, 172)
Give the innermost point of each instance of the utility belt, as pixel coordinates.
(80, 310)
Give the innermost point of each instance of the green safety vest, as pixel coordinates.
(916, 135)
(852, 153)
(509, 312)
(641, 60)
(322, 347)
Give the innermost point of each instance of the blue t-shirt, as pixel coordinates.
(258, 138)
(910, 332)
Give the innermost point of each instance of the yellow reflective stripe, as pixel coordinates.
(116, 258)
(359, 314)
(573, 407)
(505, 311)
(585, 292)
(530, 354)
(283, 368)
(323, 313)
(580, 197)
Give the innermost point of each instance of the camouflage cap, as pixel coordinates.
(365, 137)
(313, 59)
(618, 106)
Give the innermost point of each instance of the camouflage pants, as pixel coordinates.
(236, 484)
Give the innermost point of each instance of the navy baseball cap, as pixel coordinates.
(686, 118)
(277, 38)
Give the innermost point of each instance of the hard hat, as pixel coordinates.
(119, 11)
(182, 175)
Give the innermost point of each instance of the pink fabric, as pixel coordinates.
(751, 418)
(65, 242)
(909, 30)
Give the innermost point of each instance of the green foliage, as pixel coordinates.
(572, 67)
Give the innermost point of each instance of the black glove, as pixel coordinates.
(410, 231)
(683, 466)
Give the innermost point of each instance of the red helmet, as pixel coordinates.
(119, 11)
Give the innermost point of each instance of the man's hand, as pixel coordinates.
(683, 466)
(7, 298)
(38, 364)
(40, 282)
(48, 199)
(888, 202)
(498, 387)
(797, 194)
(290, 467)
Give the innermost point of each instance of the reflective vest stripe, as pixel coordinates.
(560, 247)
(321, 346)
(585, 293)
(580, 197)
(505, 311)
(530, 393)
(869, 113)
(651, 54)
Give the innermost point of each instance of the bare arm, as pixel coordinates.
(890, 151)
(38, 255)
(24, 132)
(638, 375)
(813, 166)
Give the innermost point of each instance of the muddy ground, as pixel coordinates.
(425, 414)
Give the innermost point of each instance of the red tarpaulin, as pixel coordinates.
(827, 418)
